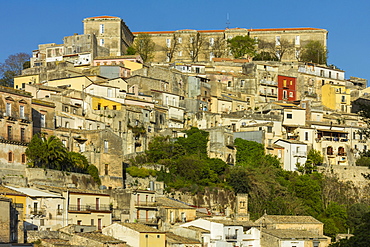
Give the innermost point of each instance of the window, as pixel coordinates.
(343, 99)
(229, 84)
(10, 157)
(211, 41)
(101, 42)
(191, 40)
(23, 158)
(106, 169)
(106, 146)
(297, 40)
(306, 136)
(99, 224)
(179, 40)
(23, 134)
(109, 92)
(64, 143)
(321, 72)
(67, 124)
(269, 129)
(211, 55)
(8, 109)
(285, 96)
(242, 82)
(329, 150)
(354, 135)
(284, 83)
(10, 134)
(180, 54)
(277, 40)
(42, 121)
(168, 42)
(289, 116)
(101, 28)
(21, 111)
(290, 94)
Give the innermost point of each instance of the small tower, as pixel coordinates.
(241, 210)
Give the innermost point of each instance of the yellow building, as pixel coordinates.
(76, 83)
(136, 234)
(22, 80)
(204, 45)
(17, 197)
(99, 103)
(336, 97)
(89, 208)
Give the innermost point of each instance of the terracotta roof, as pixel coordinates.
(289, 219)
(176, 239)
(284, 29)
(97, 236)
(170, 203)
(292, 234)
(250, 30)
(233, 222)
(102, 17)
(141, 228)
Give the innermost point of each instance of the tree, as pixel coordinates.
(314, 52)
(271, 51)
(172, 47)
(241, 46)
(195, 46)
(144, 46)
(195, 143)
(314, 158)
(46, 152)
(12, 67)
(219, 47)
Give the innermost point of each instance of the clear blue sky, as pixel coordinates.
(25, 23)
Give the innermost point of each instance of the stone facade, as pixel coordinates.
(110, 32)
(181, 45)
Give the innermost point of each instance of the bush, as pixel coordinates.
(135, 171)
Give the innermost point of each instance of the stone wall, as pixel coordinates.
(58, 178)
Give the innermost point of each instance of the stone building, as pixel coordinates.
(11, 227)
(15, 130)
(110, 32)
(203, 45)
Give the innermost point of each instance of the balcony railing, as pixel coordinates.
(231, 236)
(88, 208)
(38, 212)
(268, 94)
(269, 83)
(300, 154)
(333, 139)
(145, 204)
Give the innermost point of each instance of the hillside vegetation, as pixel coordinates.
(270, 188)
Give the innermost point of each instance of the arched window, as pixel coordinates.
(10, 157)
(23, 158)
(329, 150)
(341, 151)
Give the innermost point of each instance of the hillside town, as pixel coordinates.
(109, 105)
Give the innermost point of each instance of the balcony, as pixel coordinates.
(268, 83)
(90, 208)
(299, 154)
(231, 237)
(38, 212)
(268, 94)
(145, 204)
